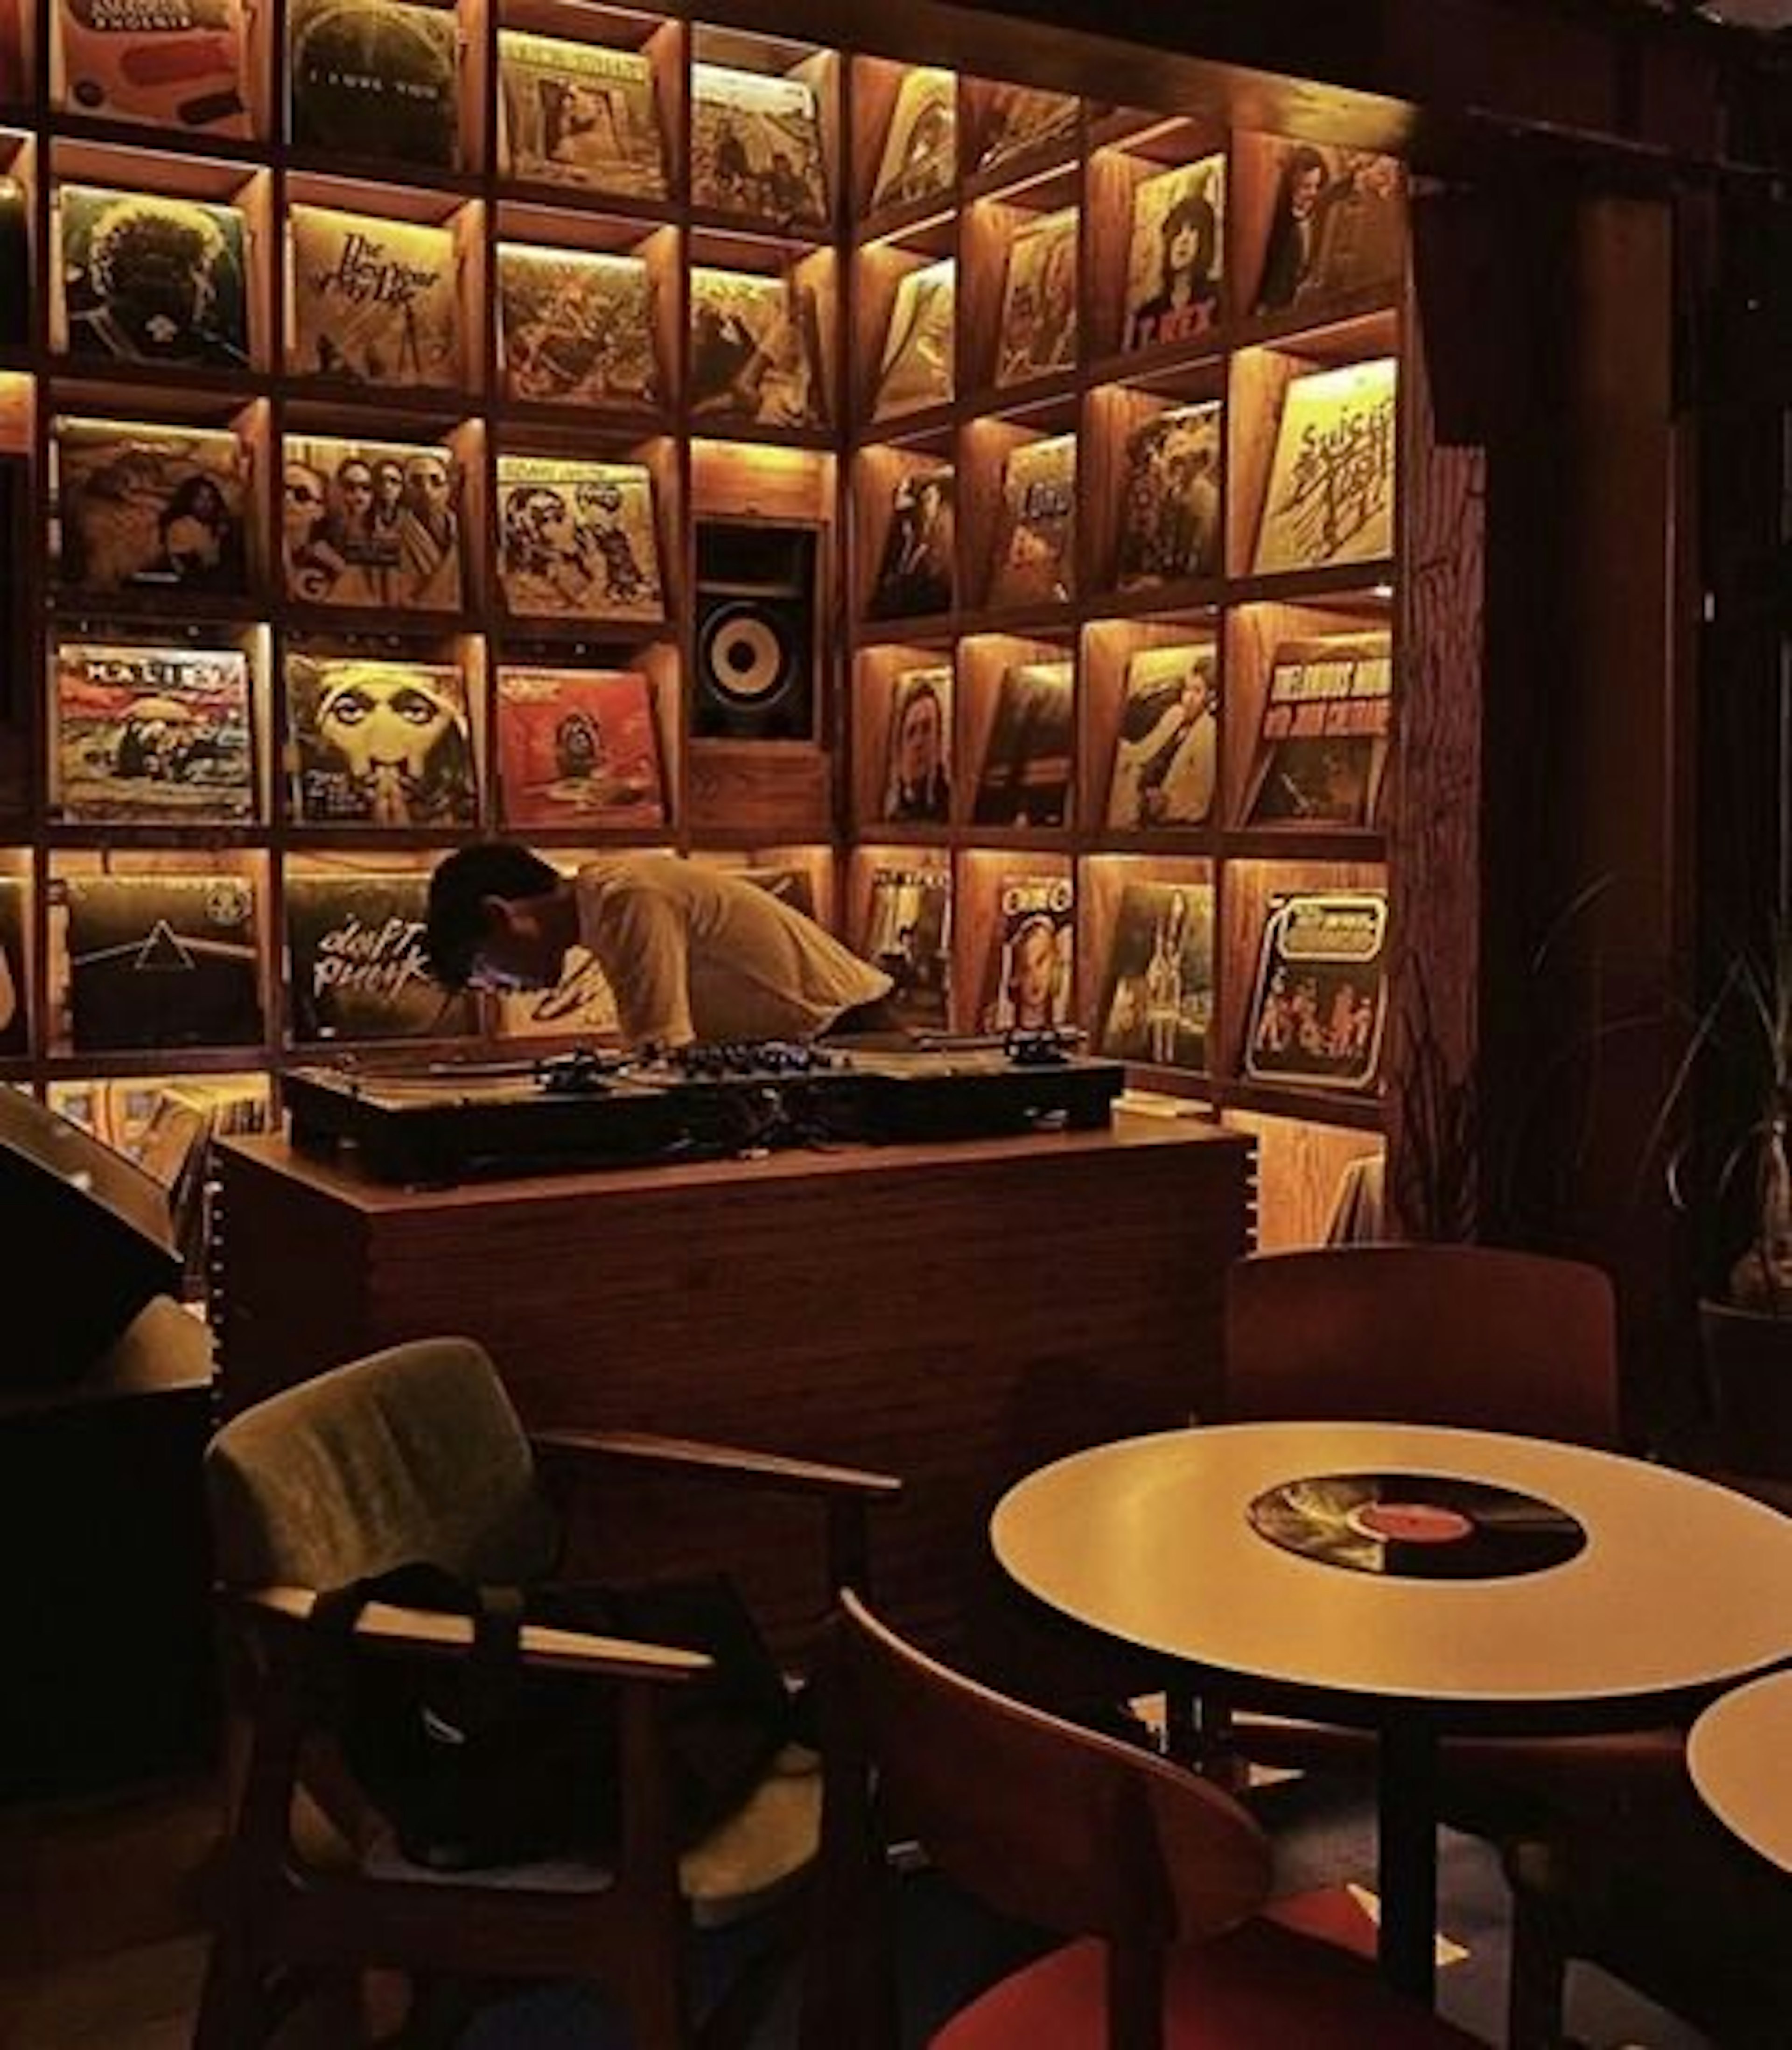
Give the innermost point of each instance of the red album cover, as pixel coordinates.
(579, 747)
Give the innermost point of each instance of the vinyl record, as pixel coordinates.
(1416, 1526)
(745, 658)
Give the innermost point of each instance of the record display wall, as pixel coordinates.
(974, 508)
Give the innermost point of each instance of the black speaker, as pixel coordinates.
(755, 665)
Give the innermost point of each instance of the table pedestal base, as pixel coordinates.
(1406, 1858)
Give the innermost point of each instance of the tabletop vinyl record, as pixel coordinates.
(1418, 1527)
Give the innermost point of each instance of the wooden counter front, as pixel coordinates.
(955, 1314)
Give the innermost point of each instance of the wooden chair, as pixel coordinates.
(1159, 1874)
(416, 1453)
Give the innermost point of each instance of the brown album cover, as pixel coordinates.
(755, 350)
(356, 968)
(1027, 977)
(144, 278)
(919, 349)
(921, 149)
(1320, 997)
(372, 302)
(138, 507)
(1167, 748)
(1337, 225)
(1169, 507)
(1176, 259)
(578, 539)
(1322, 744)
(1039, 329)
(907, 934)
(1024, 779)
(1023, 118)
(579, 114)
(161, 961)
(379, 743)
(1157, 993)
(579, 747)
(147, 736)
(756, 146)
(576, 328)
(916, 578)
(1034, 557)
(1330, 495)
(180, 64)
(917, 748)
(15, 1007)
(371, 524)
(373, 78)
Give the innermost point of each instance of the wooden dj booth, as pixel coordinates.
(956, 1313)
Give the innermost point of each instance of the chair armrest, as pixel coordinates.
(728, 1463)
(387, 1626)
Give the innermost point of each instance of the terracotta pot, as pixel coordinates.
(1748, 1381)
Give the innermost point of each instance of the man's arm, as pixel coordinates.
(640, 944)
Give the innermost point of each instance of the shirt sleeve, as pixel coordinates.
(642, 945)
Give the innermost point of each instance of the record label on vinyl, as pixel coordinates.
(1416, 1526)
(745, 661)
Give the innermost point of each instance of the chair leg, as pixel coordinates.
(1536, 1990)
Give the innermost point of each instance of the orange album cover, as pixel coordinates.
(181, 64)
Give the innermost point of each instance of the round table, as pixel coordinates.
(1738, 1754)
(1681, 1587)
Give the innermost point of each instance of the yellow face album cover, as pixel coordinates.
(920, 349)
(579, 114)
(372, 302)
(756, 146)
(379, 743)
(1331, 496)
(178, 64)
(1039, 329)
(370, 524)
(576, 328)
(754, 349)
(1174, 263)
(578, 539)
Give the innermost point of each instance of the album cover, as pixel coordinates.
(379, 743)
(1023, 118)
(756, 146)
(356, 968)
(920, 150)
(182, 64)
(1331, 496)
(575, 328)
(1034, 561)
(1039, 327)
(136, 507)
(15, 983)
(1028, 979)
(15, 264)
(755, 350)
(373, 301)
(1338, 224)
(578, 539)
(579, 747)
(371, 524)
(915, 577)
(175, 1147)
(119, 1112)
(918, 752)
(1169, 507)
(919, 349)
(146, 279)
(579, 114)
(1025, 777)
(149, 736)
(907, 934)
(1322, 744)
(1168, 749)
(1175, 262)
(161, 961)
(581, 1002)
(1320, 997)
(376, 78)
(1157, 996)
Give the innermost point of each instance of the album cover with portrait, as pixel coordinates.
(907, 934)
(579, 114)
(1034, 559)
(921, 149)
(917, 748)
(756, 146)
(580, 1002)
(1028, 976)
(372, 301)
(152, 736)
(1330, 496)
(575, 328)
(356, 964)
(1166, 752)
(370, 524)
(1323, 742)
(1176, 257)
(578, 539)
(1037, 334)
(1337, 225)
(1170, 502)
(1024, 779)
(1023, 118)
(1319, 999)
(135, 507)
(919, 349)
(1157, 983)
(755, 350)
(15, 1002)
(177, 64)
(916, 576)
(377, 742)
(143, 278)
(161, 961)
(579, 747)
(376, 78)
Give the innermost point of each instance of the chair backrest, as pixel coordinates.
(1043, 1820)
(412, 1453)
(1470, 1336)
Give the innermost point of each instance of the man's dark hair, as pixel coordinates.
(455, 924)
